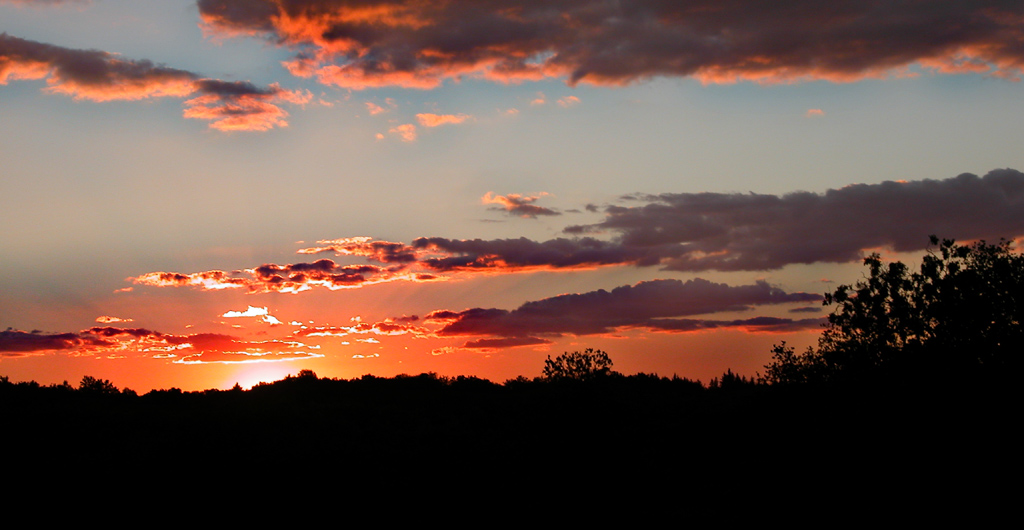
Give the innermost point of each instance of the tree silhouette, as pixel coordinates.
(589, 365)
(97, 386)
(961, 313)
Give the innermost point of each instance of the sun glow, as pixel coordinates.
(252, 375)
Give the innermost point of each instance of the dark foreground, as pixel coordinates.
(617, 428)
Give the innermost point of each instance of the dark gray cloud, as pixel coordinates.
(525, 254)
(704, 231)
(366, 43)
(652, 305)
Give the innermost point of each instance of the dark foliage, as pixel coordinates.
(589, 365)
(958, 316)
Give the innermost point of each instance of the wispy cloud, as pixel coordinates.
(519, 205)
(568, 101)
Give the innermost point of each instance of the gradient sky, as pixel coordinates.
(199, 193)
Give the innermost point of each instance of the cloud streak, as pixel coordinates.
(200, 348)
(289, 278)
(408, 43)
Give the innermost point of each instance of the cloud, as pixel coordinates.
(110, 320)
(381, 251)
(252, 311)
(505, 342)
(705, 231)
(391, 327)
(688, 232)
(519, 205)
(522, 254)
(211, 348)
(654, 305)
(659, 306)
(242, 106)
(187, 349)
(289, 278)
(375, 109)
(15, 343)
(101, 76)
(413, 44)
(811, 113)
(568, 101)
(407, 132)
(434, 120)
(90, 74)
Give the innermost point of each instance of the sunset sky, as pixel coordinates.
(195, 194)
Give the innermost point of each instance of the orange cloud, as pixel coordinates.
(236, 106)
(406, 131)
(434, 120)
(814, 112)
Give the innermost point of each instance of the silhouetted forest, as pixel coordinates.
(914, 369)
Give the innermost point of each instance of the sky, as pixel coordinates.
(199, 193)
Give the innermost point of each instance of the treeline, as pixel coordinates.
(925, 360)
